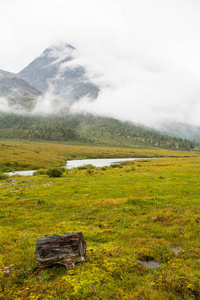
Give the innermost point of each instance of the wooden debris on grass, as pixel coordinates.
(66, 249)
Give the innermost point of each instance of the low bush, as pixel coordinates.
(41, 172)
(85, 167)
(4, 176)
(116, 166)
(55, 172)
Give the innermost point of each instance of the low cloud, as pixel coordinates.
(49, 103)
(143, 91)
(143, 55)
(5, 107)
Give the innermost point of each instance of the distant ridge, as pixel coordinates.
(182, 130)
(7, 73)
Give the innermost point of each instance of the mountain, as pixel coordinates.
(6, 73)
(53, 81)
(55, 70)
(50, 83)
(19, 94)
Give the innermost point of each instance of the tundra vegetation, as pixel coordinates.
(129, 213)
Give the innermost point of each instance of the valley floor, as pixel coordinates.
(26, 155)
(136, 211)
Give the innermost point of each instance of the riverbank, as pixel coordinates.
(23, 155)
(96, 162)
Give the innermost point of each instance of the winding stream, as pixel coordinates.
(97, 162)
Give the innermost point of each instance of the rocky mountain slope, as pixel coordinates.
(54, 74)
(17, 93)
(55, 70)
(6, 73)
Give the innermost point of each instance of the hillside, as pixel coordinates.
(20, 95)
(6, 73)
(87, 129)
(181, 130)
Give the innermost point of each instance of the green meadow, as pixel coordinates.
(27, 155)
(139, 211)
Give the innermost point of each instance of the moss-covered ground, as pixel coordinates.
(139, 210)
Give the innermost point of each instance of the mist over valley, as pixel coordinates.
(56, 84)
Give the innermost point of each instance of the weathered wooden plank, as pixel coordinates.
(66, 249)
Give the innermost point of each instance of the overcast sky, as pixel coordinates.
(144, 54)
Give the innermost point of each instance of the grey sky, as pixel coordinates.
(144, 54)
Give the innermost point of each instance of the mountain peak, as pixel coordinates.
(59, 52)
(51, 71)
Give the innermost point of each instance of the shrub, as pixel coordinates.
(85, 167)
(116, 166)
(4, 176)
(55, 172)
(40, 172)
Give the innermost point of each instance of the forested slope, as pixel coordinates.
(87, 129)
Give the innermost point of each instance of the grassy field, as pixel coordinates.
(142, 210)
(25, 155)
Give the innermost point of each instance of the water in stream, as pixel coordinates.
(98, 162)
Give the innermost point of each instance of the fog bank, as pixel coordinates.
(143, 55)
